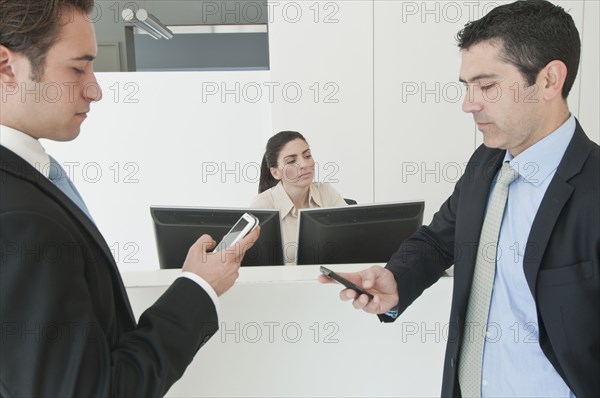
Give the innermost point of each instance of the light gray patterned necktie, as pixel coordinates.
(471, 352)
(59, 177)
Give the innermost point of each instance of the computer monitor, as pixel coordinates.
(355, 234)
(176, 229)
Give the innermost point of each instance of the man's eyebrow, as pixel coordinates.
(479, 77)
(85, 57)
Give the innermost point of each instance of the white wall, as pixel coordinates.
(371, 84)
(327, 49)
(422, 139)
(166, 139)
(589, 72)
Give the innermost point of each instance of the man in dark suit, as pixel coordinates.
(67, 328)
(540, 334)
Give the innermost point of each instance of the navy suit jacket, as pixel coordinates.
(561, 261)
(67, 325)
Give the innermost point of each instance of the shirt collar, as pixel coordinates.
(285, 204)
(282, 200)
(314, 196)
(26, 147)
(540, 160)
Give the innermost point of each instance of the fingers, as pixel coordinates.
(206, 242)
(370, 275)
(249, 240)
(323, 279)
(377, 280)
(348, 294)
(362, 302)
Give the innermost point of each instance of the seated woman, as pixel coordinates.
(286, 183)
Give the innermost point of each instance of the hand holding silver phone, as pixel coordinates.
(246, 224)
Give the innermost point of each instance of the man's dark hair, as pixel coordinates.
(531, 34)
(31, 27)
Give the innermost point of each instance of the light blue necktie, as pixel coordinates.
(59, 177)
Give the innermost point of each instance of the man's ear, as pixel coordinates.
(276, 173)
(553, 79)
(7, 65)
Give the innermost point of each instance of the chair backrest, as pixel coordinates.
(350, 201)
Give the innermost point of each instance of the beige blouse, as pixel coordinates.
(321, 195)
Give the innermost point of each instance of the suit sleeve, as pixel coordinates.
(422, 259)
(58, 340)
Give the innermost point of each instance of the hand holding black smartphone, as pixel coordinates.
(338, 278)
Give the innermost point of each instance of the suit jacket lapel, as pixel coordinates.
(558, 193)
(19, 167)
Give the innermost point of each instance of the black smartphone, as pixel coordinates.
(336, 277)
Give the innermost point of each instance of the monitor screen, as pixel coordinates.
(356, 234)
(176, 229)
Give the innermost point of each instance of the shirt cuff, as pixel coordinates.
(204, 285)
(393, 313)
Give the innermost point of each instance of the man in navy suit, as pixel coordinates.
(67, 325)
(542, 336)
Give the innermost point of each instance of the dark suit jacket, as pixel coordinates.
(67, 326)
(561, 261)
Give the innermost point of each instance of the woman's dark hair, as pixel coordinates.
(531, 34)
(31, 27)
(274, 146)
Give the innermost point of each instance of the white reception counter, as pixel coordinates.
(283, 334)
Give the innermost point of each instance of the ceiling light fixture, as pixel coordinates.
(147, 22)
